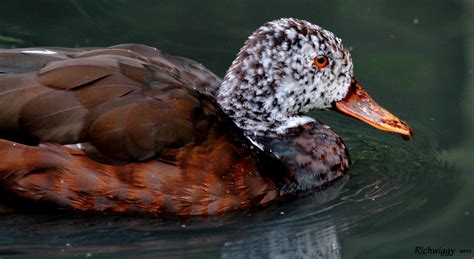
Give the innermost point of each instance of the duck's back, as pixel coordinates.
(125, 103)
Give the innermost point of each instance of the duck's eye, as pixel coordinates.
(321, 61)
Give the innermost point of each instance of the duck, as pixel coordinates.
(132, 129)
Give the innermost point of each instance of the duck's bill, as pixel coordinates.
(360, 105)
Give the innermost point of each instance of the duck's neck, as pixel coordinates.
(258, 91)
(249, 99)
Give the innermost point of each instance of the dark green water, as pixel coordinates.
(416, 58)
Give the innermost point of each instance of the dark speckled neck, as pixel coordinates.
(312, 154)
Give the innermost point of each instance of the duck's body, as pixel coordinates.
(151, 137)
(128, 128)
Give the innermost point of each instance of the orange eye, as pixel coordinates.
(321, 61)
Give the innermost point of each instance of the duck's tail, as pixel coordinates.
(31, 172)
(24, 172)
(18, 159)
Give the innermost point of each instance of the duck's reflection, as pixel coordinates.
(317, 241)
(295, 236)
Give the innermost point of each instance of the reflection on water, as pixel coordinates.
(302, 243)
(415, 58)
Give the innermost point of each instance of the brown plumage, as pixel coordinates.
(98, 97)
(66, 177)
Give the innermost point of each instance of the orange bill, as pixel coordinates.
(360, 105)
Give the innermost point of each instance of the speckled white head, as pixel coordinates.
(274, 79)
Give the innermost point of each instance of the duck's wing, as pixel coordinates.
(123, 103)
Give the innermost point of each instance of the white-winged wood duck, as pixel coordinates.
(129, 128)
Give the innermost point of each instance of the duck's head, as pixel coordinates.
(288, 67)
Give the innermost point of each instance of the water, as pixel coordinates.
(414, 57)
